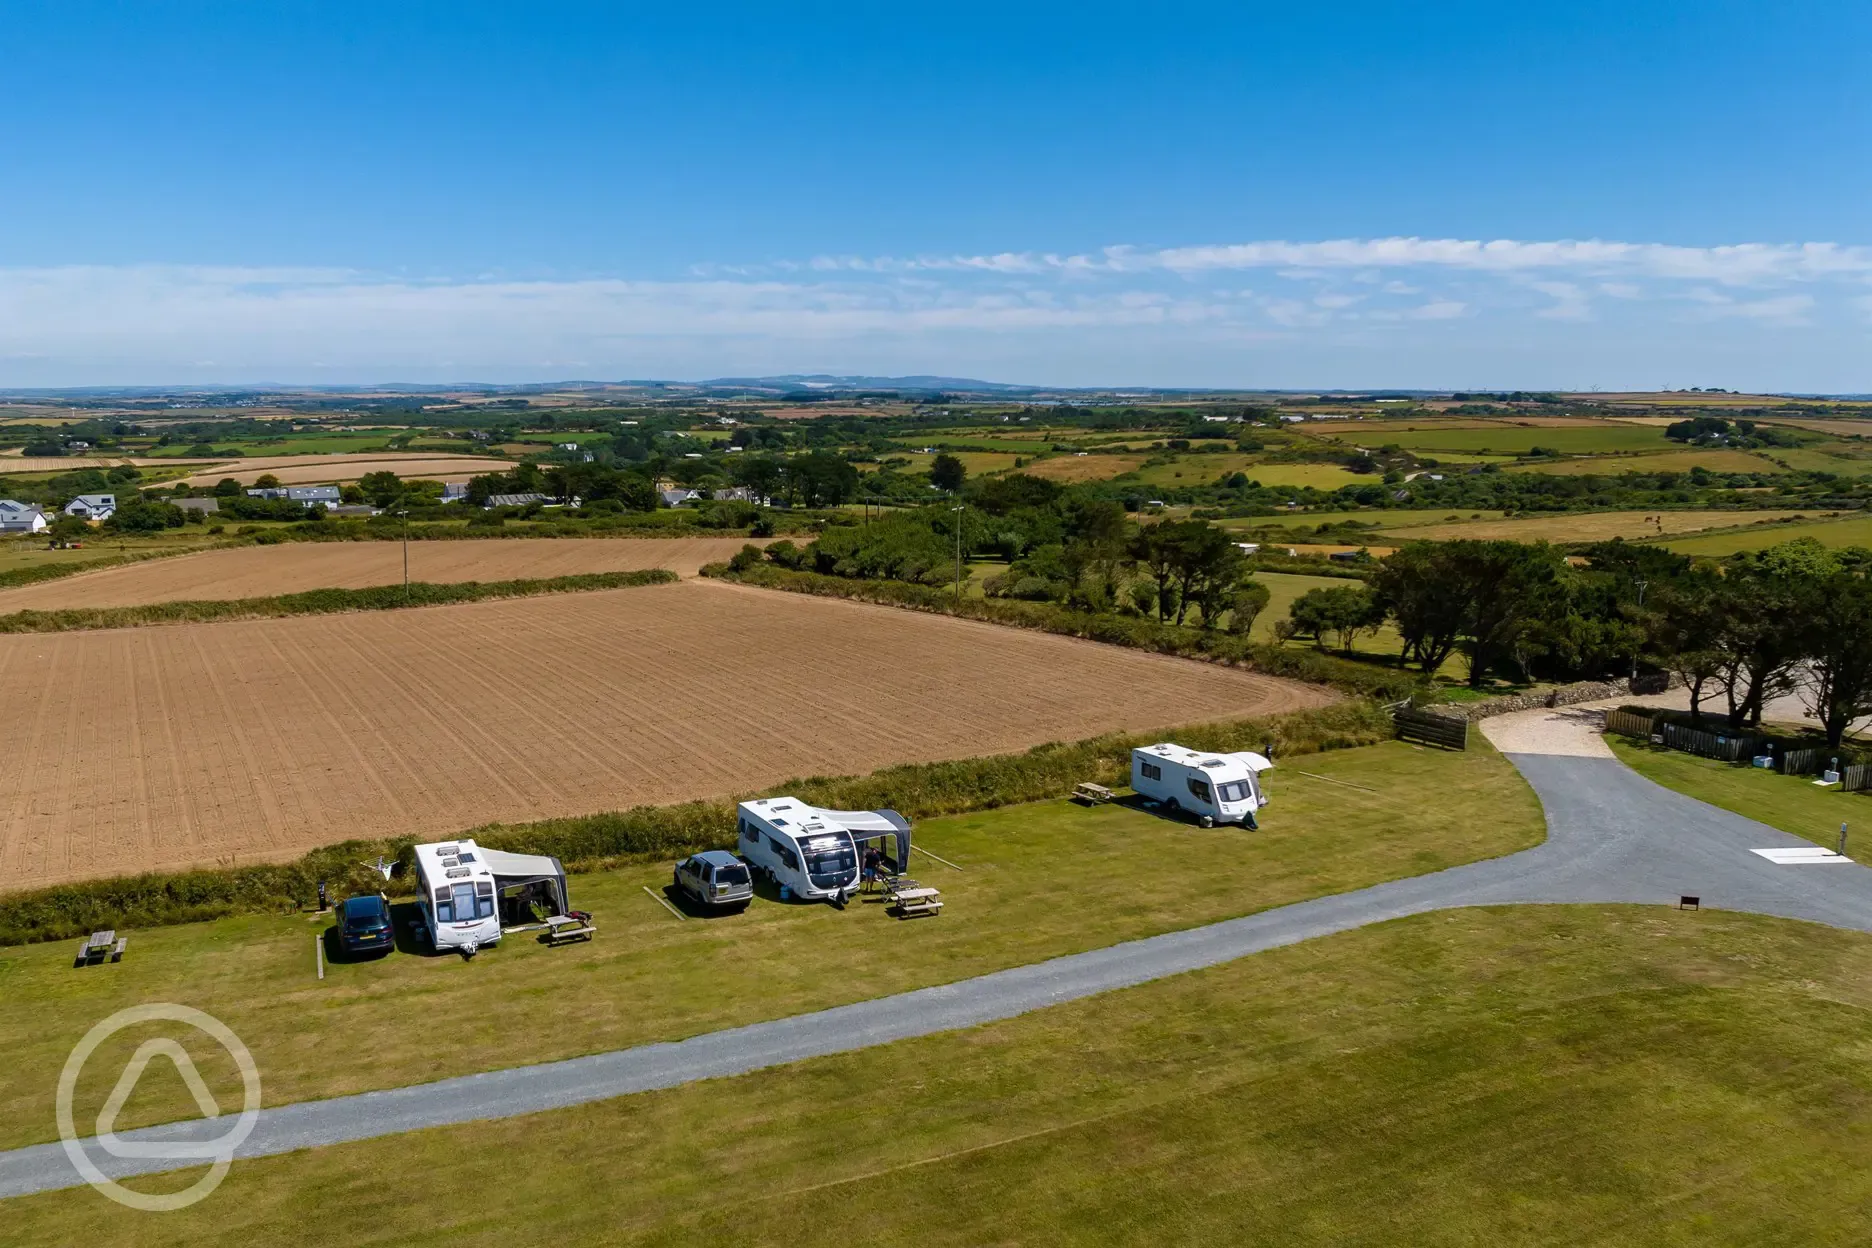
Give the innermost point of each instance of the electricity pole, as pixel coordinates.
(406, 590)
(957, 512)
(1640, 583)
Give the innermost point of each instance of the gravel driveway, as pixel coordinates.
(1613, 836)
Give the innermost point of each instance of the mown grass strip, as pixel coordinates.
(1136, 632)
(616, 838)
(321, 602)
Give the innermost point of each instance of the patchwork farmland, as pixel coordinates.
(164, 748)
(263, 571)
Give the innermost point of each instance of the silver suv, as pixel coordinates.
(716, 879)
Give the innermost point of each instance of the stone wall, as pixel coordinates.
(1564, 695)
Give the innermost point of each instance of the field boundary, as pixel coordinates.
(321, 602)
(613, 839)
(1229, 649)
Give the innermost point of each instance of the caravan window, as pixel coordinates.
(1233, 792)
(788, 856)
(1151, 771)
(464, 903)
(1199, 788)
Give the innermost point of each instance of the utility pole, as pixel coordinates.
(406, 590)
(957, 512)
(1640, 583)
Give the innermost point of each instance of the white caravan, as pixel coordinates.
(455, 890)
(1216, 788)
(812, 852)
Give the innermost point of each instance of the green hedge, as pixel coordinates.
(1137, 632)
(595, 842)
(321, 602)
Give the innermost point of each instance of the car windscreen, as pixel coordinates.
(731, 875)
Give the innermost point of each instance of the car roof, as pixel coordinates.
(718, 858)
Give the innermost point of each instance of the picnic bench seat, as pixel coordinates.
(99, 946)
(563, 929)
(911, 902)
(1091, 794)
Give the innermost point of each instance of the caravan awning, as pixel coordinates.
(870, 823)
(510, 869)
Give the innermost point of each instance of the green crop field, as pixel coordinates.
(1855, 530)
(1516, 439)
(649, 977)
(1604, 1075)
(1844, 459)
(1713, 460)
(1592, 526)
(1300, 476)
(1377, 519)
(1204, 468)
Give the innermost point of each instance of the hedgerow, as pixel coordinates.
(615, 838)
(321, 602)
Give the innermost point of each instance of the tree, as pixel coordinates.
(1344, 612)
(1417, 586)
(1249, 602)
(227, 487)
(1837, 677)
(267, 481)
(821, 479)
(947, 473)
(144, 517)
(1683, 622)
(381, 488)
(1763, 605)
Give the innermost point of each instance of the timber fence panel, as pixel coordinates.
(1627, 724)
(1432, 729)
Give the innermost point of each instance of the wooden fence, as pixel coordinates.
(1801, 762)
(1627, 724)
(1721, 745)
(1431, 729)
(1856, 778)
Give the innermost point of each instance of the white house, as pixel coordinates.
(18, 517)
(92, 506)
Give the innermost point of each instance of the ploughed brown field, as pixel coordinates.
(263, 571)
(203, 744)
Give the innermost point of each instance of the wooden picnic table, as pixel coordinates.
(94, 948)
(1092, 794)
(563, 929)
(915, 900)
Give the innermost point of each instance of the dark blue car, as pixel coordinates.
(364, 925)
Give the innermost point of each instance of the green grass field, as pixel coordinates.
(1792, 803)
(1591, 526)
(649, 977)
(1300, 476)
(1507, 439)
(1533, 1075)
(1714, 460)
(1376, 518)
(1854, 530)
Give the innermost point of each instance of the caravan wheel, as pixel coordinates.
(1174, 807)
(1206, 821)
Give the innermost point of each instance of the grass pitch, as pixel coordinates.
(1579, 1075)
(1037, 881)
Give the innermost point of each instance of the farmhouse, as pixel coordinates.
(304, 495)
(21, 517)
(206, 506)
(455, 491)
(676, 498)
(515, 500)
(92, 506)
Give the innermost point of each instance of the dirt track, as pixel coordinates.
(160, 748)
(262, 571)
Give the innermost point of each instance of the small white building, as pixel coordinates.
(92, 506)
(16, 517)
(1215, 788)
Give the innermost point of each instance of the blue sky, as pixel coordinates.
(1459, 194)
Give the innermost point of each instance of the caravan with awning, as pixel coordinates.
(467, 894)
(813, 853)
(1215, 788)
